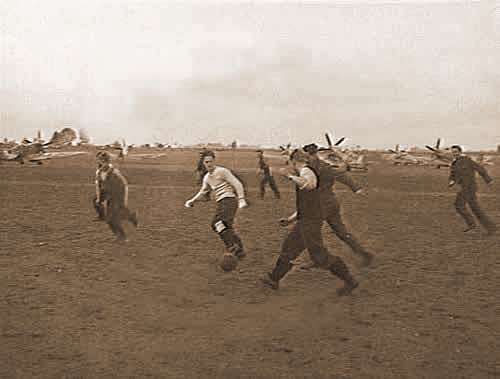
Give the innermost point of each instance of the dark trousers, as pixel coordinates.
(469, 197)
(334, 219)
(117, 212)
(100, 208)
(222, 222)
(306, 234)
(265, 180)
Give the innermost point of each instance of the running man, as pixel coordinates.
(330, 205)
(463, 174)
(266, 176)
(114, 190)
(229, 196)
(306, 232)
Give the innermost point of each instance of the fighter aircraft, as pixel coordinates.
(34, 152)
(123, 152)
(334, 153)
(444, 154)
(404, 158)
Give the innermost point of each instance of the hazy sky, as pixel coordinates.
(378, 72)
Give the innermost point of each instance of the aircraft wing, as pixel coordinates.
(145, 156)
(55, 155)
(280, 156)
(5, 156)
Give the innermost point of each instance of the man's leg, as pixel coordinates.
(292, 246)
(222, 224)
(460, 206)
(311, 233)
(114, 223)
(338, 227)
(274, 187)
(99, 209)
(485, 221)
(262, 187)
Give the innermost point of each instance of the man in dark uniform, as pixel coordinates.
(306, 232)
(115, 193)
(330, 205)
(463, 173)
(266, 176)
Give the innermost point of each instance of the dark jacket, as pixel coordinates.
(327, 176)
(463, 171)
(115, 189)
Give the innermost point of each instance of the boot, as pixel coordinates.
(340, 269)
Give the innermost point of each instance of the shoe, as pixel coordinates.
(347, 288)
(240, 253)
(134, 220)
(469, 228)
(268, 281)
(237, 251)
(308, 266)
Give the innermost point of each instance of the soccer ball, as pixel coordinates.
(228, 262)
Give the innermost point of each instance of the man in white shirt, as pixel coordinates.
(229, 195)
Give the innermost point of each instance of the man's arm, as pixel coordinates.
(288, 220)
(349, 182)
(481, 171)
(452, 177)
(234, 182)
(205, 188)
(97, 187)
(119, 187)
(306, 180)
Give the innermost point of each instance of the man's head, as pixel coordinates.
(299, 158)
(456, 151)
(103, 159)
(209, 160)
(312, 151)
(260, 153)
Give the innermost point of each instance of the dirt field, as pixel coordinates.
(74, 304)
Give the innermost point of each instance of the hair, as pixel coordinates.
(208, 153)
(103, 156)
(298, 155)
(312, 148)
(458, 147)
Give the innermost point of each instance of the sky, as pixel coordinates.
(263, 72)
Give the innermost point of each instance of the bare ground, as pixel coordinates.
(74, 304)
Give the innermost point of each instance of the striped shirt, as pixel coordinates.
(223, 183)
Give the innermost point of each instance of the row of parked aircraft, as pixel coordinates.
(332, 153)
(438, 157)
(36, 151)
